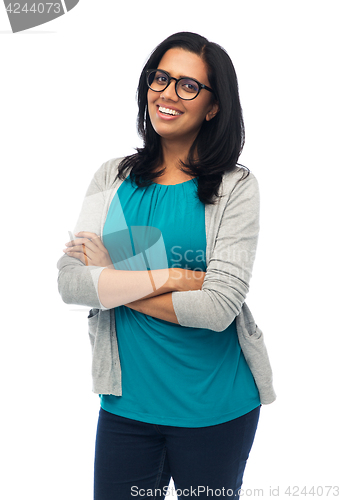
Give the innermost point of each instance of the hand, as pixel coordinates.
(89, 249)
(186, 279)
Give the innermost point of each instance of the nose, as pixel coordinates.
(169, 92)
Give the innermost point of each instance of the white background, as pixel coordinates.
(64, 111)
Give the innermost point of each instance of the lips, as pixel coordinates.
(168, 113)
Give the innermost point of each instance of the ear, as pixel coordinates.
(213, 111)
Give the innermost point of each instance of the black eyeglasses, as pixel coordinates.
(186, 88)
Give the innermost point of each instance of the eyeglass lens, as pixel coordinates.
(186, 87)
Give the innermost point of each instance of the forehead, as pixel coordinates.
(179, 62)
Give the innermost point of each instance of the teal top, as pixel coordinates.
(171, 375)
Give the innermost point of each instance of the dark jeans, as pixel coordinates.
(136, 460)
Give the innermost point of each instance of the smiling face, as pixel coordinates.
(175, 119)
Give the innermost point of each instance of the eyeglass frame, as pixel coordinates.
(177, 80)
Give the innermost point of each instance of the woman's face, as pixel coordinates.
(185, 125)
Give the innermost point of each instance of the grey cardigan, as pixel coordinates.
(232, 227)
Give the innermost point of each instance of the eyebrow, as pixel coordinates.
(181, 76)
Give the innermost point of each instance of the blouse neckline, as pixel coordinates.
(172, 185)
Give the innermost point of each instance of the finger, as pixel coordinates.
(86, 262)
(87, 234)
(90, 244)
(81, 248)
(77, 241)
(93, 237)
(80, 252)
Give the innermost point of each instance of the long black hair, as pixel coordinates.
(220, 140)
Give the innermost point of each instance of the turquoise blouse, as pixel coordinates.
(171, 375)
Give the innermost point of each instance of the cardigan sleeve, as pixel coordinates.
(229, 269)
(77, 283)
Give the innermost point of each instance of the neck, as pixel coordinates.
(173, 154)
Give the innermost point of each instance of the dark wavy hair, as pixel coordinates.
(219, 142)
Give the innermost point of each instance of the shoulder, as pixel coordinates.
(240, 183)
(106, 175)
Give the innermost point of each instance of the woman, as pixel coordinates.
(163, 253)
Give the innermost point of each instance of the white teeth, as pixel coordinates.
(169, 111)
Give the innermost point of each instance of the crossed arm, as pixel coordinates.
(160, 306)
(213, 302)
(89, 249)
